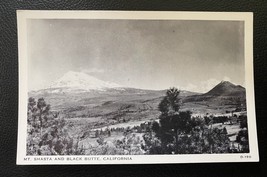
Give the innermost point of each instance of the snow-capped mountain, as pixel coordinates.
(79, 82)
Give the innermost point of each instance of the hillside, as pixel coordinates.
(226, 88)
(77, 91)
(78, 95)
(224, 93)
(109, 103)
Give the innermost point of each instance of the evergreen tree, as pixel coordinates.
(172, 122)
(43, 111)
(171, 102)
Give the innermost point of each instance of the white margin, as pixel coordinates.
(247, 17)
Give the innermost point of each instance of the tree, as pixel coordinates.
(180, 133)
(171, 102)
(173, 123)
(32, 112)
(242, 137)
(243, 122)
(47, 133)
(43, 111)
(243, 140)
(155, 127)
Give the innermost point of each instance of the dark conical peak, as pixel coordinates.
(226, 88)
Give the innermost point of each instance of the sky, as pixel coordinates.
(147, 54)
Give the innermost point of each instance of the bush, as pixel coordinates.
(129, 145)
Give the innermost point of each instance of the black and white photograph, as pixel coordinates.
(135, 87)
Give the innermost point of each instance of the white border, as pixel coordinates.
(247, 17)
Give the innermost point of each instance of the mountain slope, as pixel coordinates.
(226, 88)
(109, 102)
(223, 93)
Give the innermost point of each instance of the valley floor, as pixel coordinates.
(90, 141)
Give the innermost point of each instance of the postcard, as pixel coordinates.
(135, 87)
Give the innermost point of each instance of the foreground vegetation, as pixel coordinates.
(176, 132)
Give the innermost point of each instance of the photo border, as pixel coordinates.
(246, 17)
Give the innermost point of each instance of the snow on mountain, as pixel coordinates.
(78, 81)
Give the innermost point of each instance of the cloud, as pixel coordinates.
(225, 78)
(203, 87)
(206, 85)
(228, 79)
(92, 70)
(191, 87)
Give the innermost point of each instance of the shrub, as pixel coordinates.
(129, 145)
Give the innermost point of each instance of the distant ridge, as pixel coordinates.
(79, 82)
(74, 93)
